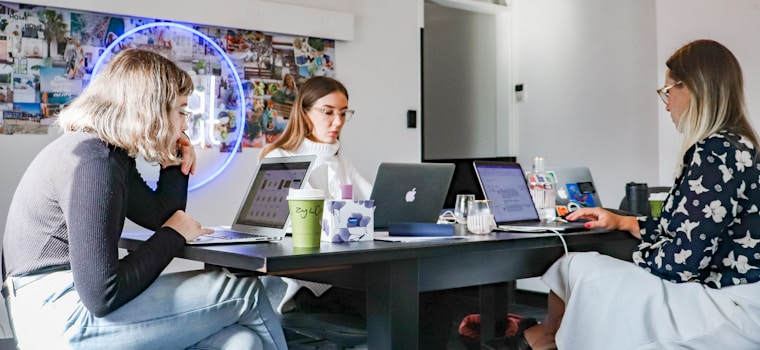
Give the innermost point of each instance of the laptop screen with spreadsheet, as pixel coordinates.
(505, 185)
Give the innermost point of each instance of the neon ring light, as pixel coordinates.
(197, 102)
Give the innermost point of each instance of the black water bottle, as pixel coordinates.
(637, 197)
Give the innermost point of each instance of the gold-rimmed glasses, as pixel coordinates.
(664, 92)
(331, 113)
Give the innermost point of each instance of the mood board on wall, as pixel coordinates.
(47, 57)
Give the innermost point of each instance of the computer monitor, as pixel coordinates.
(464, 180)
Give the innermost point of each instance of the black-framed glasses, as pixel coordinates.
(331, 113)
(664, 92)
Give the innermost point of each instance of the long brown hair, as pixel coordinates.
(299, 127)
(713, 76)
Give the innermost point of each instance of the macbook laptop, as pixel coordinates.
(409, 192)
(575, 189)
(264, 215)
(464, 180)
(504, 184)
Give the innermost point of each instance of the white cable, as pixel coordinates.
(561, 238)
(564, 245)
(442, 218)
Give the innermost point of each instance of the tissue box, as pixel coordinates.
(348, 221)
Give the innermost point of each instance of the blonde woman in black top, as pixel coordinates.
(68, 286)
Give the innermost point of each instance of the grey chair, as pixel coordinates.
(12, 340)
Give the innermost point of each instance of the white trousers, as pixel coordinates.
(614, 304)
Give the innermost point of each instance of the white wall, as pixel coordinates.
(590, 69)
(381, 69)
(380, 66)
(736, 25)
(459, 83)
(589, 72)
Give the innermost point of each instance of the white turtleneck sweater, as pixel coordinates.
(330, 170)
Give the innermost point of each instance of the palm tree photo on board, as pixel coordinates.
(55, 30)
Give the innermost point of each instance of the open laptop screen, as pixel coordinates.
(504, 184)
(266, 204)
(575, 188)
(464, 180)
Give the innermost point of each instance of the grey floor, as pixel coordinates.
(317, 345)
(440, 315)
(7, 344)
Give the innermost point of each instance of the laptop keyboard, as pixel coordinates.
(545, 227)
(229, 234)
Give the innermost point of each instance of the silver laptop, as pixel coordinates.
(410, 192)
(575, 189)
(504, 184)
(264, 215)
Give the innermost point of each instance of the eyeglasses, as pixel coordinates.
(665, 91)
(330, 113)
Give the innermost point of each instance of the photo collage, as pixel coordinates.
(49, 55)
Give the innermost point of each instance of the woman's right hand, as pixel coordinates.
(600, 218)
(186, 226)
(187, 150)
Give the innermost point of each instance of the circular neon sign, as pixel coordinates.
(216, 103)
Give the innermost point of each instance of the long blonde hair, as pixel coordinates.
(128, 105)
(299, 127)
(713, 76)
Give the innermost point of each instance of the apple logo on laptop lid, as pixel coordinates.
(411, 194)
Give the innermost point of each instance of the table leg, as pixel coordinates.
(393, 306)
(495, 300)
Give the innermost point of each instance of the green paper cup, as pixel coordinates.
(656, 200)
(306, 207)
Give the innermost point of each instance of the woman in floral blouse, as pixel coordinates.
(694, 278)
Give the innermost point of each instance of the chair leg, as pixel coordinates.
(10, 324)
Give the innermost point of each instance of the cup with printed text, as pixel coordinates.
(306, 206)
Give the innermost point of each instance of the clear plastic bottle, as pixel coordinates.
(543, 189)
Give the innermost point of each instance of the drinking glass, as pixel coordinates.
(460, 209)
(480, 217)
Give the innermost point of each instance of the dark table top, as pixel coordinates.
(280, 257)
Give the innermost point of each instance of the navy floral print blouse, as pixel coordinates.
(709, 228)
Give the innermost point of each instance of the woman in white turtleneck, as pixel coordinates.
(318, 115)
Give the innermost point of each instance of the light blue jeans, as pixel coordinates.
(192, 309)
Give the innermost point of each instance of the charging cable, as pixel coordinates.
(561, 238)
(447, 217)
(564, 245)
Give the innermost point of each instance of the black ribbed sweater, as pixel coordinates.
(68, 211)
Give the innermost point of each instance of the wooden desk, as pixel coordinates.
(394, 274)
